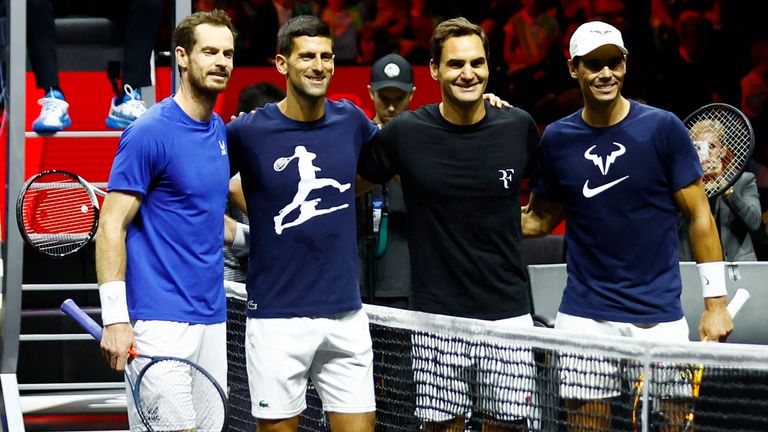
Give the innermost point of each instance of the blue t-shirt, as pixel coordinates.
(180, 168)
(617, 185)
(299, 183)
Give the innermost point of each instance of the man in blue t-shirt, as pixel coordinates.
(297, 160)
(159, 244)
(620, 172)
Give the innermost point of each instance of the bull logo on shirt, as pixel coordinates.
(604, 165)
(308, 181)
(610, 159)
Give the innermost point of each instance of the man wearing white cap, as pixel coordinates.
(622, 171)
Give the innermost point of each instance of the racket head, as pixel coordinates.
(57, 213)
(168, 390)
(724, 140)
(281, 163)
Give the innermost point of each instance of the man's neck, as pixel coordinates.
(197, 105)
(605, 114)
(302, 109)
(463, 115)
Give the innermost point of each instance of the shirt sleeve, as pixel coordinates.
(533, 139)
(378, 158)
(682, 162)
(544, 184)
(140, 158)
(234, 146)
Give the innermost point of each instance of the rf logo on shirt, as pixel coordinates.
(506, 176)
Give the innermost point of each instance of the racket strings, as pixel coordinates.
(728, 136)
(174, 395)
(58, 213)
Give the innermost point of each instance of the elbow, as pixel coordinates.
(110, 230)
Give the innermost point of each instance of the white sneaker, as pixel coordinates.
(126, 112)
(54, 116)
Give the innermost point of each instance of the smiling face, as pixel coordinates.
(208, 65)
(600, 74)
(309, 67)
(462, 71)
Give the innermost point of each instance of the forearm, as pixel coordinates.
(230, 228)
(705, 242)
(110, 271)
(236, 195)
(539, 217)
(236, 235)
(111, 256)
(532, 225)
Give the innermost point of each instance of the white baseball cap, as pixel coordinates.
(592, 35)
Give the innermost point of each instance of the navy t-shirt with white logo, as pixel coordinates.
(617, 184)
(299, 183)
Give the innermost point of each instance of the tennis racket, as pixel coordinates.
(282, 162)
(169, 393)
(58, 212)
(724, 140)
(696, 373)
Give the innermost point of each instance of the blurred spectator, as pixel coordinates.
(737, 210)
(256, 23)
(139, 21)
(392, 17)
(344, 21)
(306, 7)
(692, 60)
(415, 46)
(754, 97)
(371, 45)
(530, 37)
(284, 9)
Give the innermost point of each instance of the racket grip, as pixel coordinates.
(71, 308)
(739, 298)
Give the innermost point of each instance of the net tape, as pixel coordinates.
(425, 366)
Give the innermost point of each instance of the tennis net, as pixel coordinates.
(432, 369)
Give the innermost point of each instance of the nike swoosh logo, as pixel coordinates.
(590, 192)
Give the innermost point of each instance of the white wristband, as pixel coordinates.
(242, 240)
(114, 305)
(712, 276)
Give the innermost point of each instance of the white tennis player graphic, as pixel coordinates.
(308, 182)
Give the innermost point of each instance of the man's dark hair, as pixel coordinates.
(302, 25)
(455, 27)
(257, 95)
(184, 34)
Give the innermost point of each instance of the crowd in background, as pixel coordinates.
(684, 53)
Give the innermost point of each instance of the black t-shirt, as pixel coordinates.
(462, 190)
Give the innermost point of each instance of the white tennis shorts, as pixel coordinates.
(591, 376)
(335, 351)
(454, 378)
(204, 344)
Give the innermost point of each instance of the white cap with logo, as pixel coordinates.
(592, 35)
